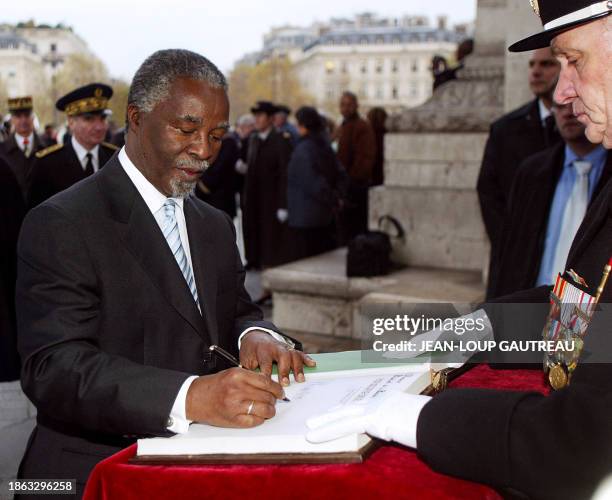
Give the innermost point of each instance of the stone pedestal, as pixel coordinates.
(314, 296)
(429, 187)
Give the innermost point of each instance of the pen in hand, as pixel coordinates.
(219, 351)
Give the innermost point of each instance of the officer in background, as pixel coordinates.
(60, 166)
(21, 145)
(266, 237)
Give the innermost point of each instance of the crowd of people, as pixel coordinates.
(302, 189)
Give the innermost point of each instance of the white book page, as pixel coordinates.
(285, 432)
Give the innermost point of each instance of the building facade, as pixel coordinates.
(31, 54)
(385, 61)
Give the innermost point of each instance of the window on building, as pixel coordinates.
(379, 66)
(363, 40)
(344, 67)
(330, 93)
(363, 92)
(380, 39)
(396, 40)
(379, 93)
(414, 66)
(394, 66)
(364, 66)
(394, 93)
(414, 90)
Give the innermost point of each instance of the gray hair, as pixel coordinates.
(152, 81)
(247, 119)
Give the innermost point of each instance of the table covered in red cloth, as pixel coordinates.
(390, 472)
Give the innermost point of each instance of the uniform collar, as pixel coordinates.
(19, 140)
(81, 152)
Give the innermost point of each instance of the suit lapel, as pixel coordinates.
(204, 269)
(596, 215)
(141, 234)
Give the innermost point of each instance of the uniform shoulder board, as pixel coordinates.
(110, 146)
(51, 149)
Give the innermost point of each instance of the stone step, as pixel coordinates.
(314, 295)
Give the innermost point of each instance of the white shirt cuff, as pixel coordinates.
(275, 335)
(177, 421)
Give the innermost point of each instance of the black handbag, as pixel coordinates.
(369, 254)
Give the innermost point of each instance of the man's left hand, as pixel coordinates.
(260, 349)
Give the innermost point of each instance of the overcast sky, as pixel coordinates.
(123, 32)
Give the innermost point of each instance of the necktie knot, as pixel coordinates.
(26, 141)
(169, 208)
(582, 167)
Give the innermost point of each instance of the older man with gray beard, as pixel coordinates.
(125, 281)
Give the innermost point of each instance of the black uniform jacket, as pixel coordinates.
(57, 168)
(555, 446)
(20, 163)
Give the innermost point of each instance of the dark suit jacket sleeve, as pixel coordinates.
(65, 372)
(547, 447)
(364, 153)
(490, 193)
(555, 446)
(221, 173)
(284, 155)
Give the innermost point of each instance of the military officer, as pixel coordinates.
(22, 144)
(60, 166)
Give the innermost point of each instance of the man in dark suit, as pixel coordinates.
(21, 145)
(512, 138)
(535, 233)
(12, 210)
(266, 238)
(555, 446)
(125, 281)
(218, 184)
(60, 166)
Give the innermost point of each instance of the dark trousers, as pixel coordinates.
(354, 218)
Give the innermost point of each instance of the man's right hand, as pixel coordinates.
(224, 399)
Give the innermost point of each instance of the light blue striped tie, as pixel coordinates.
(171, 233)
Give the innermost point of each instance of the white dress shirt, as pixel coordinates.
(177, 421)
(544, 111)
(19, 139)
(81, 153)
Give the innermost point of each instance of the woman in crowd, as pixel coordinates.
(315, 186)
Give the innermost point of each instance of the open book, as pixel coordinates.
(326, 386)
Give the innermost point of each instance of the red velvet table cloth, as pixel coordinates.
(391, 472)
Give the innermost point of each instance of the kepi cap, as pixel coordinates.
(16, 104)
(92, 98)
(264, 107)
(558, 16)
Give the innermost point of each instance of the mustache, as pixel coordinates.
(192, 164)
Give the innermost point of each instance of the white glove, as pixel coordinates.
(392, 417)
(282, 215)
(241, 167)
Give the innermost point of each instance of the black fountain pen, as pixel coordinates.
(219, 351)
